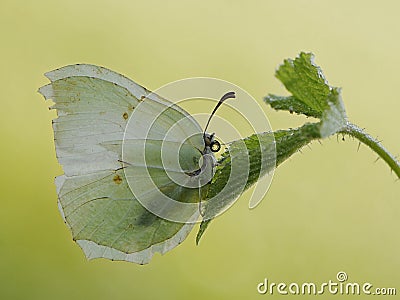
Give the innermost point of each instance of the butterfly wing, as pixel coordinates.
(93, 106)
(166, 178)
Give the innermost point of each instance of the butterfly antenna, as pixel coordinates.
(229, 95)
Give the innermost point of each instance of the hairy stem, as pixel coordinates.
(374, 144)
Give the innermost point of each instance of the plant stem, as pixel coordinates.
(374, 144)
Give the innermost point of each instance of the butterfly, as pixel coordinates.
(136, 166)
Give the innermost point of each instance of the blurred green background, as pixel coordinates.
(329, 209)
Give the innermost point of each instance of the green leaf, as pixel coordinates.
(291, 104)
(287, 142)
(334, 118)
(253, 156)
(311, 94)
(306, 82)
(290, 141)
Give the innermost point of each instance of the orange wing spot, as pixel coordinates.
(125, 115)
(117, 179)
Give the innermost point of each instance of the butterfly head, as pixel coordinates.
(211, 143)
(209, 140)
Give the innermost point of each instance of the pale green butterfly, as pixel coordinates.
(94, 105)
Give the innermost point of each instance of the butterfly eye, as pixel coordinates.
(215, 146)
